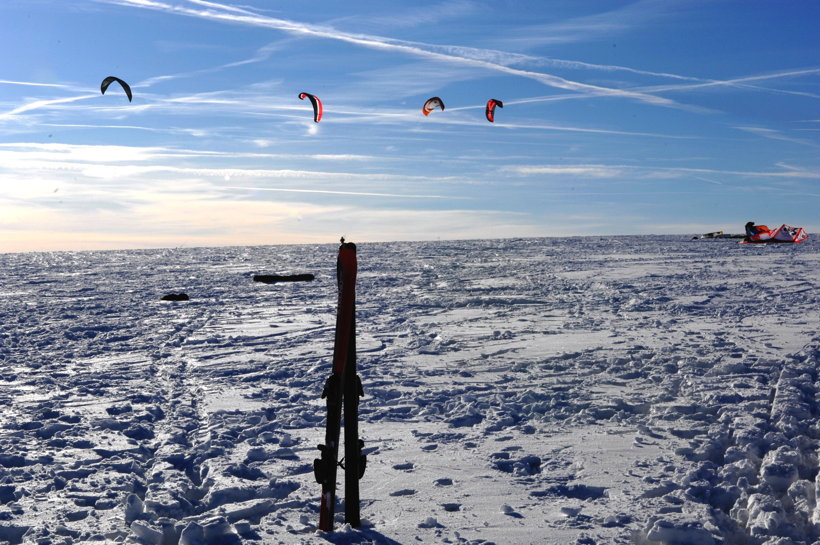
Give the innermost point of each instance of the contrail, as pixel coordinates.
(33, 84)
(353, 193)
(236, 15)
(37, 104)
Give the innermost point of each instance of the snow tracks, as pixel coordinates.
(629, 391)
(754, 456)
(106, 433)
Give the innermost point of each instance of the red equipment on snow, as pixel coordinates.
(342, 391)
(784, 233)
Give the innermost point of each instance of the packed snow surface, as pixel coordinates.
(643, 390)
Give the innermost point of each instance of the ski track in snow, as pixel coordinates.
(629, 390)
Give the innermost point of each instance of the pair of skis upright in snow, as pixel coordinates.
(342, 390)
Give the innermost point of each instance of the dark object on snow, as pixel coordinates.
(716, 234)
(274, 278)
(175, 297)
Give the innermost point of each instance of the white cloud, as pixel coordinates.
(399, 16)
(144, 174)
(613, 171)
(594, 26)
(590, 171)
(336, 192)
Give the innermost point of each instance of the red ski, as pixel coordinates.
(344, 362)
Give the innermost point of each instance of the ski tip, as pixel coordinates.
(346, 245)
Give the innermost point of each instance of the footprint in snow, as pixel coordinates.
(510, 512)
(403, 492)
(570, 511)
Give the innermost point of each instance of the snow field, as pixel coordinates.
(643, 390)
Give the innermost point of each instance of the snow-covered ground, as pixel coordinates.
(639, 390)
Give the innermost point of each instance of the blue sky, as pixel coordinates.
(619, 117)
